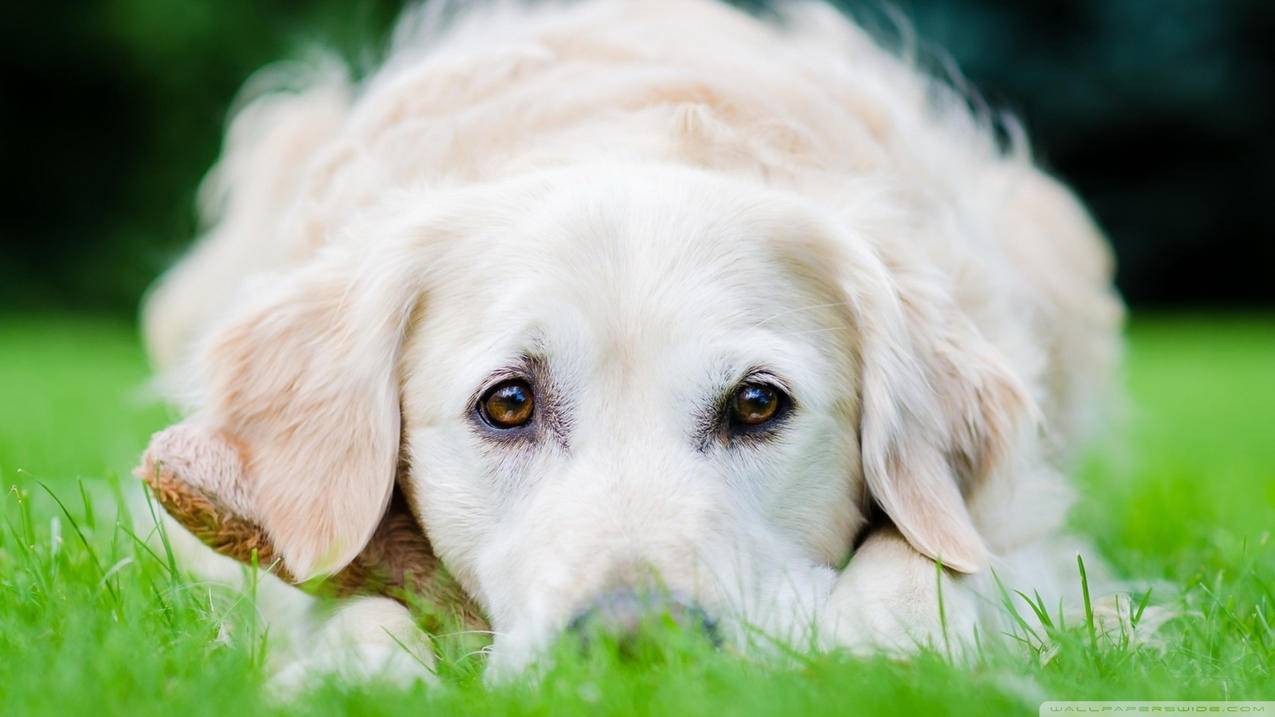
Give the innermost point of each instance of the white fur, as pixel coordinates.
(651, 199)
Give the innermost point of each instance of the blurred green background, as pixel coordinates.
(1158, 111)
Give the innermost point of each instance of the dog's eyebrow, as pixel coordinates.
(765, 375)
(529, 361)
(525, 365)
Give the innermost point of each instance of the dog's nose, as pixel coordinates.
(623, 615)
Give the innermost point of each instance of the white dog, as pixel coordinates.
(648, 293)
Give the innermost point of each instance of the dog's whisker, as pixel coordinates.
(817, 330)
(458, 633)
(797, 310)
(484, 651)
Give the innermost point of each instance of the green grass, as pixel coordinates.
(92, 623)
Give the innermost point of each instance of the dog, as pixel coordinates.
(632, 299)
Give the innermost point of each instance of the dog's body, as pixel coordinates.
(633, 207)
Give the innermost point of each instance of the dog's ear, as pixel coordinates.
(303, 382)
(197, 476)
(939, 411)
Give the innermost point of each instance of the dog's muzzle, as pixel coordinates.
(624, 615)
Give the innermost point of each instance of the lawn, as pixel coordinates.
(91, 622)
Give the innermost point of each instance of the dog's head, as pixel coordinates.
(596, 382)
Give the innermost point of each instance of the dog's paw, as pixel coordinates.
(369, 641)
(891, 599)
(358, 664)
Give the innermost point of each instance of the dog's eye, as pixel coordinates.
(756, 404)
(508, 404)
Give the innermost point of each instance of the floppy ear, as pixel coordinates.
(939, 411)
(197, 475)
(303, 382)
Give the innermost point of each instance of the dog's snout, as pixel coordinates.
(624, 614)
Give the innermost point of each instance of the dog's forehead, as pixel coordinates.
(643, 273)
(637, 250)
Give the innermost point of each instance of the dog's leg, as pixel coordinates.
(892, 598)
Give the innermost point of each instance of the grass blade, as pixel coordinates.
(88, 547)
(1089, 621)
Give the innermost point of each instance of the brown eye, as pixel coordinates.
(755, 404)
(508, 404)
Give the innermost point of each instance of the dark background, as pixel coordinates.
(1160, 112)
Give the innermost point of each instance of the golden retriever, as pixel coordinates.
(631, 294)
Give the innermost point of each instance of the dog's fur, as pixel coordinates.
(638, 205)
